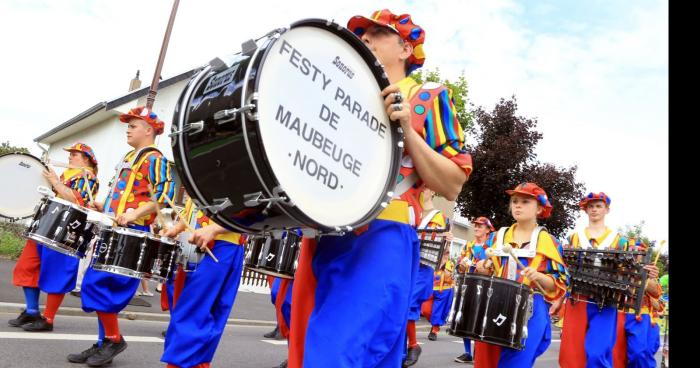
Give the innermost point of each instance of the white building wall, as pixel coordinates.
(108, 137)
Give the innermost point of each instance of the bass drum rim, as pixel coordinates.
(382, 80)
(15, 218)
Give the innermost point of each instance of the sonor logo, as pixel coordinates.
(25, 165)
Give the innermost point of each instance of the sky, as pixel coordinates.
(593, 73)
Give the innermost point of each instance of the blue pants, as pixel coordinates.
(286, 306)
(467, 346)
(654, 342)
(538, 339)
(422, 290)
(600, 336)
(58, 272)
(362, 295)
(107, 292)
(639, 354)
(200, 314)
(442, 302)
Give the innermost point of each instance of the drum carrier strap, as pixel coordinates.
(586, 244)
(529, 252)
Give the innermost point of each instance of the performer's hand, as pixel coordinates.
(484, 267)
(449, 237)
(652, 270)
(51, 176)
(556, 306)
(125, 218)
(202, 237)
(531, 274)
(173, 231)
(397, 108)
(99, 206)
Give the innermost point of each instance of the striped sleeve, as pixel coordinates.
(556, 269)
(443, 133)
(80, 187)
(161, 177)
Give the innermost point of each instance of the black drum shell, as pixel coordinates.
(60, 226)
(480, 300)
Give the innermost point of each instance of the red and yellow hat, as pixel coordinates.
(84, 148)
(533, 190)
(594, 197)
(145, 114)
(484, 221)
(401, 24)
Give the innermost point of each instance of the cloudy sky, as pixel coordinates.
(593, 73)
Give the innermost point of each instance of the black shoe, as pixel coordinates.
(23, 319)
(83, 356)
(75, 293)
(163, 332)
(464, 358)
(106, 352)
(432, 336)
(39, 325)
(412, 356)
(272, 334)
(283, 364)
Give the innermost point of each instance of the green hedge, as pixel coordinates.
(11, 241)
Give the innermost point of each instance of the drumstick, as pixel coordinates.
(189, 228)
(509, 249)
(155, 202)
(87, 183)
(64, 165)
(656, 259)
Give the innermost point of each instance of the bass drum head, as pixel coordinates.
(21, 173)
(323, 126)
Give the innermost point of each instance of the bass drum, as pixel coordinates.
(21, 176)
(291, 132)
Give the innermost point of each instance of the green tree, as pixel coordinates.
(459, 92)
(637, 232)
(5, 148)
(504, 156)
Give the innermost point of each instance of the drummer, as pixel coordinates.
(528, 203)
(379, 262)
(423, 285)
(130, 201)
(201, 301)
(472, 252)
(42, 268)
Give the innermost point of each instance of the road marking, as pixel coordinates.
(275, 342)
(76, 337)
(461, 342)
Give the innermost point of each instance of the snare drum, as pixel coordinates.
(287, 134)
(189, 255)
(122, 251)
(274, 257)
(61, 226)
(21, 176)
(161, 258)
(492, 310)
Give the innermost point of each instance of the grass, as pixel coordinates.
(11, 242)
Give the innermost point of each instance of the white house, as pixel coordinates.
(100, 128)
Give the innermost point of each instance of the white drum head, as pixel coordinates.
(21, 176)
(323, 125)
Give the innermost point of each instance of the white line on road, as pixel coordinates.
(275, 342)
(76, 337)
(461, 342)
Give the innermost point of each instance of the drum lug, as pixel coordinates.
(248, 47)
(192, 128)
(224, 116)
(221, 204)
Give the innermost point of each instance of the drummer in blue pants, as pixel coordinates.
(200, 311)
(142, 176)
